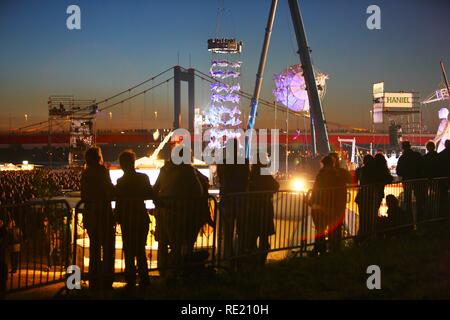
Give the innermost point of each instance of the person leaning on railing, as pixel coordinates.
(97, 191)
(343, 178)
(132, 190)
(444, 164)
(410, 168)
(325, 206)
(261, 211)
(179, 197)
(233, 178)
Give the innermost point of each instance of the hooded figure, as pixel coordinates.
(443, 132)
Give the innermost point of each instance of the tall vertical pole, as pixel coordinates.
(311, 87)
(445, 78)
(313, 136)
(287, 143)
(271, 137)
(176, 97)
(50, 153)
(191, 99)
(259, 77)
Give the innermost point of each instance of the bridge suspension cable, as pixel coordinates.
(106, 99)
(135, 95)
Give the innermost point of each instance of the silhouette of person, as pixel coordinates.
(97, 192)
(382, 177)
(131, 191)
(325, 204)
(431, 170)
(430, 161)
(47, 242)
(65, 236)
(344, 178)
(444, 160)
(261, 212)
(396, 215)
(365, 199)
(233, 178)
(410, 168)
(178, 194)
(3, 265)
(15, 240)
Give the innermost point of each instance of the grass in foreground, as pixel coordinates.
(414, 265)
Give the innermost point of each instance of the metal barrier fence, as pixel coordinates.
(241, 231)
(35, 243)
(254, 227)
(177, 233)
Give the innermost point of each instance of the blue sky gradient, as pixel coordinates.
(124, 42)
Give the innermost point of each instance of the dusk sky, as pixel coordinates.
(122, 43)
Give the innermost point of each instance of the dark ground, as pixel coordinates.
(414, 265)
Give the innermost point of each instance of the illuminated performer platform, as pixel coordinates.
(224, 46)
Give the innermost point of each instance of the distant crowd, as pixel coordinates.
(20, 186)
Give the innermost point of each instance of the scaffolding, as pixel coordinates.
(65, 113)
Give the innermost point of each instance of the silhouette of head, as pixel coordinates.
(430, 146)
(367, 159)
(126, 160)
(327, 162)
(391, 201)
(380, 159)
(335, 158)
(406, 145)
(93, 156)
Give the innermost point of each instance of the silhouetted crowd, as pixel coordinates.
(329, 195)
(183, 207)
(20, 186)
(182, 211)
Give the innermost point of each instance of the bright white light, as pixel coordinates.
(152, 174)
(24, 162)
(298, 185)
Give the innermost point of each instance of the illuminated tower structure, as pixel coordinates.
(223, 115)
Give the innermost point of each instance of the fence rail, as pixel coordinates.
(36, 243)
(239, 231)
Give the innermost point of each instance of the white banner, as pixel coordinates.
(398, 100)
(378, 89)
